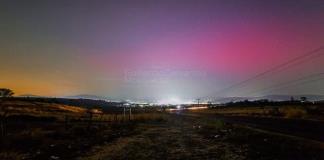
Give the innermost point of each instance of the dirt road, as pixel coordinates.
(308, 129)
(196, 137)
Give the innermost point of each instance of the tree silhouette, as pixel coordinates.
(303, 99)
(5, 92)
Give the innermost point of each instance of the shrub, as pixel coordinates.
(294, 112)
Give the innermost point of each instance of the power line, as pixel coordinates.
(287, 67)
(303, 83)
(285, 64)
(294, 64)
(289, 83)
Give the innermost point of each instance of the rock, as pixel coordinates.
(224, 130)
(55, 157)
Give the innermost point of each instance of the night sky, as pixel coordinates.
(164, 50)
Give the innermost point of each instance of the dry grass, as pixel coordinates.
(40, 108)
(63, 112)
(120, 117)
(11, 155)
(293, 112)
(105, 151)
(149, 117)
(301, 112)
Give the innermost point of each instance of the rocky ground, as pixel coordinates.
(185, 137)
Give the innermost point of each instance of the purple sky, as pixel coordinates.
(158, 49)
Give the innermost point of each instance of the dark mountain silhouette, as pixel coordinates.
(87, 96)
(309, 97)
(28, 95)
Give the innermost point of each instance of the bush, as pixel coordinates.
(293, 112)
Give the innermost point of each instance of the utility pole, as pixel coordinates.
(198, 100)
(209, 104)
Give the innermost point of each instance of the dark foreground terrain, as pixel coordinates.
(173, 137)
(187, 137)
(45, 133)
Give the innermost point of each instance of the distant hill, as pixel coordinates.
(87, 96)
(28, 95)
(230, 99)
(80, 96)
(78, 102)
(296, 97)
(269, 97)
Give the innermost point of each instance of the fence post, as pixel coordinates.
(130, 113)
(124, 117)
